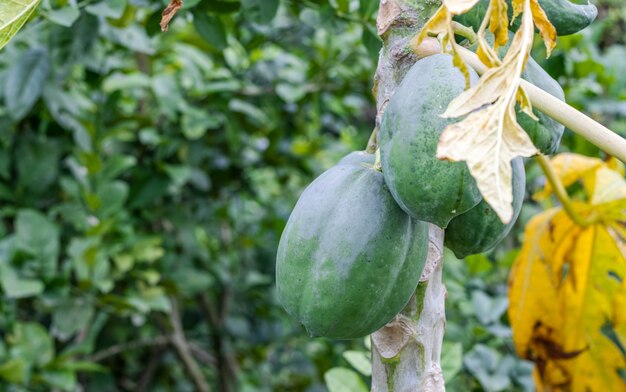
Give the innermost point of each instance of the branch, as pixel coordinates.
(150, 370)
(561, 193)
(122, 347)
(182, 347)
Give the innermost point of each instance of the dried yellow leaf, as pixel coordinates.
(546, 29)
(561, 294)
(617, 165)
(567, 290)
(499, 22)
(486, 54)
(440, 25)
(169, 12)
(610, 186)
(518, 8)
(437, 24)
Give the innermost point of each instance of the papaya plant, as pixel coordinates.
(413, 142)
(111, 259)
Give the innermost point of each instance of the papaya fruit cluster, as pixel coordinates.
(566, 17)
(354, 247)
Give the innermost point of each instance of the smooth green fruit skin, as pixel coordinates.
(425, 187)
(546, 133)
(479, 229)
(566, 17)
(349, 258)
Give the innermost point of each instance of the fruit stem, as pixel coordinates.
(377, 164)
(465, 32)
(561, 192)
(372, 143)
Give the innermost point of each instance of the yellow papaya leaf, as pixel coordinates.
(569, 168)
(619, 304)
(498, 23)
(440, 25)
(566, 292)
(609, 186)
(530, 276)
(546, 29)
(437, 24)
(617, 165)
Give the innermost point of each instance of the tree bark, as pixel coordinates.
(406, 352)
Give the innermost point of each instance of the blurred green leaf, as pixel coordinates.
(14, 370)
(195, 122)
(372, 42)
(222, 6)
(113, 9)
(451, 360)
(211, 29)
(111, 197)
(487, 309)
(31, 342)
(16, 287)
(368, 7)
(37, 166)
(70, 317)
(340, 379)
(341, 5)
(25, 82)
(261, 11)
(360, 360)
(255, 114)
(39, 237)
(65, 16)
(64, 380)
(490, 368)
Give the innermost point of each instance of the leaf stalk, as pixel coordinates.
(561, 193)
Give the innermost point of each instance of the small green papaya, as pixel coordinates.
(546, 133)
(425, 187)
(349, 258)
(566, 17)
(480, 228)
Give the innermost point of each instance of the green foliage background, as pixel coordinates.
(145, 179)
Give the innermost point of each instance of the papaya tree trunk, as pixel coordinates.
(406, 352)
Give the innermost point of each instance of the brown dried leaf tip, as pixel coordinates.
(169, 12)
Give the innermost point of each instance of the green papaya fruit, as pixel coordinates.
(567, 17)
(546, 133)
(358, 157)
(425, 187)
(349, 258)
(479, 229)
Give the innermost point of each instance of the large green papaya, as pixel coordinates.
(349, 258)
(480, 229)
(566, 17)
(425, 187)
